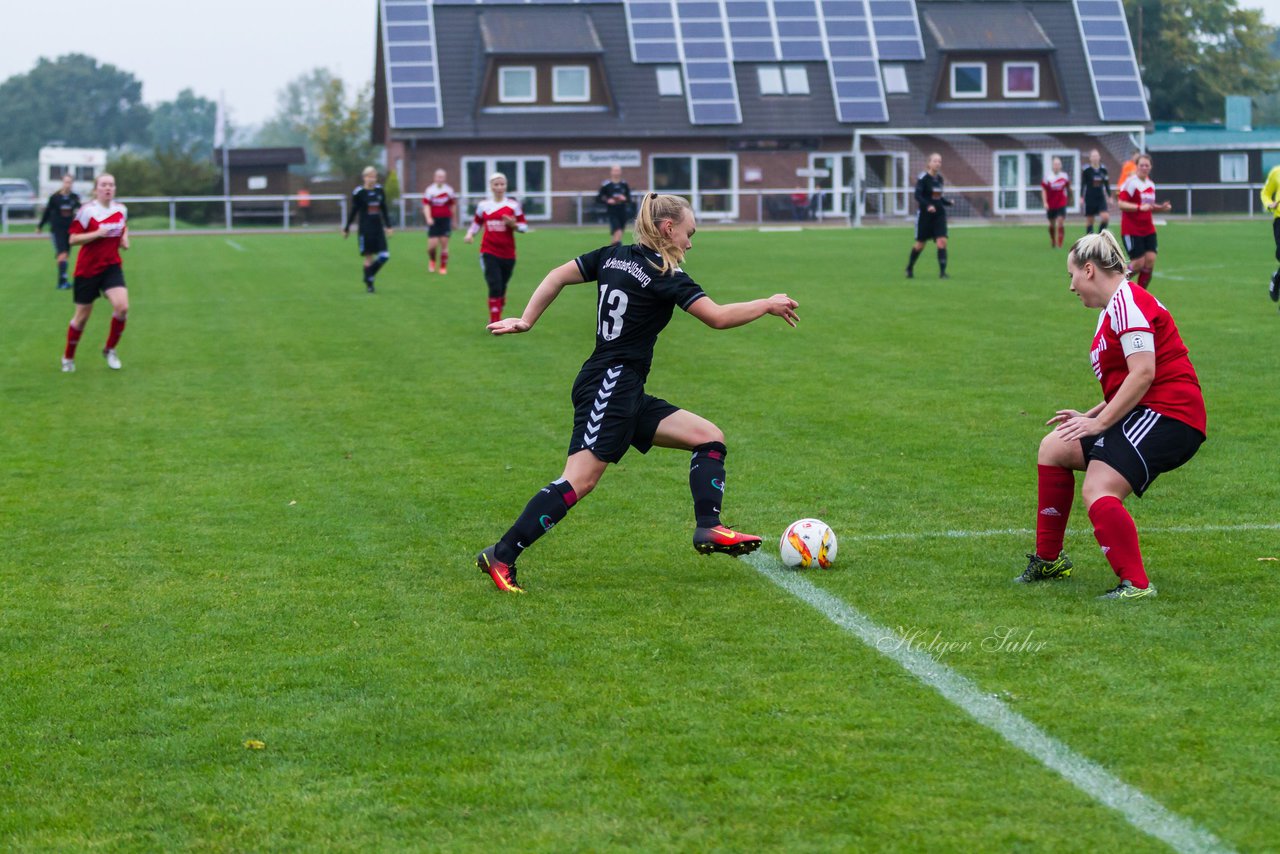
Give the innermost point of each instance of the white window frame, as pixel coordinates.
(670, 81)
(796, 79)
(559, 96)
(1028, 185)
(505, 97)
(894, 76)
(955, 66)
(770, 77)
(1233, 167)
(517, 182)
(695, 193)
(1004, 79)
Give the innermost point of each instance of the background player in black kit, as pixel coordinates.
(369, 203)
(616, 194)
(639, 287)
(1095, 189)
(931, 222)
(59, 212)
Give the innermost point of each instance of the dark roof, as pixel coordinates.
(557, 30)
(955, 27)
(262, 156)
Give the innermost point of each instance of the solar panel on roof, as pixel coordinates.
(409, 52)
(712, 90)
(1117, 86)
(897, 29)
(853, 63)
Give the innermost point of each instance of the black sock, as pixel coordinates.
(942, 261)
(62, 271)
(540, 515)
(706, 482)
(915, 253)
(1089, 230)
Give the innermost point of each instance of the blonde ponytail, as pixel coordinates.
(1101, 250)
(655, 210)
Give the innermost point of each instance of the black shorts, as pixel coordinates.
(618, 217)
(1055, 213)
(89, 288)
(1139, 245)
(931, 226)
(497, 272)
(1094, 205)
(441, 226)
(61, 241)
(373, 242)
(611, 413)
(1143, 445)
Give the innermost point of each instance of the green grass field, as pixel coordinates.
(263, 529)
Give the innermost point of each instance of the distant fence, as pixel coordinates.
(875, 205)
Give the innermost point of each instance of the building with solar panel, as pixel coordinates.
(748, 106)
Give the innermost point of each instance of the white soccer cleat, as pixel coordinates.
(68, 366)
(113, 361)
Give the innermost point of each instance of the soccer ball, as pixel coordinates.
(808, 543)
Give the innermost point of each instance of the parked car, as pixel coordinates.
(17, 196)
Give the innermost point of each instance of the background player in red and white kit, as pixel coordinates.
(639, 288)
(1136, 200)
(101, 230)
(1151, 420)
(500, 218)
(1055, 190)
(440, 205)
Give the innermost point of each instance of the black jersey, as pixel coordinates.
(59, 211)
(371, 207)
(612, 190)
(634, 303)
(929, 192)
(1094, 183)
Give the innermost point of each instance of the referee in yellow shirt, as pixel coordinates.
(1271, 198)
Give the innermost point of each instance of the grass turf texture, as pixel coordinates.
(263, 529)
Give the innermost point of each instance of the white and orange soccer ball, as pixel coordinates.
(808, 543)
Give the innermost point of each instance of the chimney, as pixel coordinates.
(1239, 112)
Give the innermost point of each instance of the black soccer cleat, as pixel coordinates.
(1274, 290)
(722, 539)
(911, 274)
(1039, 569)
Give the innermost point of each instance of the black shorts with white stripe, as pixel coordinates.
(612, 413)
(1143, 445)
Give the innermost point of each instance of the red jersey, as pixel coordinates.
(498, 240)
(1055, 190)
(439, 199)
(1175, 390)
(1137, 192)
(98, 255)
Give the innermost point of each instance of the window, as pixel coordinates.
(517, 85)
(528, 182)
(1019, 173)
(770, 80)
(1233, 168)
(797, 79)
(1022, 80)
(783, 80)
(56, 172)
(709, 181)
(84, 173)
(968, 80)
(669, 81)
(571, 83)
(895, 79)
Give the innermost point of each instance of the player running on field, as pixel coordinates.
(1271, 200)
(931, 222)
(639, 286)
(501, 218)
(1137, 199)
(369, 206)
(1095, 190)
(1151, 420)
(59, 212)
(101, 230)
(1055, 192)
(440, 203)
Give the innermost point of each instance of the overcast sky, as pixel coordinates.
(248, 49)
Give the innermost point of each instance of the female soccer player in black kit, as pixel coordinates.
(369, 203)
(1095, 189)
(616, 194)
(60, 212)
(931, 223)
(639, 287)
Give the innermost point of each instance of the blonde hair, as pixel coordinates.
(655, 210)
(369, 170)
(1100, 250)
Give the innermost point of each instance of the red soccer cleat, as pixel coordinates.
(503, 575)
(724, 540)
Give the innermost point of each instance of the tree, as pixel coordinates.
(73, 99)
(1196, 52)
(185, 123)
(297, 114)
(342, 133)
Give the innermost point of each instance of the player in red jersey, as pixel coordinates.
(1137, 199)
(639, 288)
(440, 204)
(1055, 190)
(1151, 420)
(101, 230)
(500, 218)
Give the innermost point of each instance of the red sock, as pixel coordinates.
(1118, 535)
(73, 338)
(1062, 233)
(444, 259)
(1144, 278)
(1056, 490)
(495, 310)
(117, 329)
(1053, 236)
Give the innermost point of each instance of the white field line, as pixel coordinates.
(1139, 809)
(1026, 532)
(235, 246)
